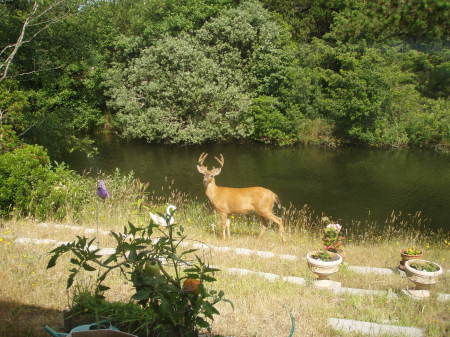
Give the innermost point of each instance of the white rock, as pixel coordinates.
(243, 251)
(288, 257)
(265, 254)
(222, 249)
(443, 297)
(374, 329)
(356, 291)
(294, 279)
(365, 270)
(268, 276)
(240, 271)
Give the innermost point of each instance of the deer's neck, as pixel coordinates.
(211, 190)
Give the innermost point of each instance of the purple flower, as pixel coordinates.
(102, 192)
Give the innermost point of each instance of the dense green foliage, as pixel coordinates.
(30, 185)
(196, 71)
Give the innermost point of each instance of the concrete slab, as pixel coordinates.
(374, 270)
(362, 292)
(416, 294)
(327, 284)
(374, 329)
(243, 251)
(294, 279)
(443, 297)
(268, 276)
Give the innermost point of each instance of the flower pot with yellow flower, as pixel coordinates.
(409, 254)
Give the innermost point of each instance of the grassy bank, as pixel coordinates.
(31, 296)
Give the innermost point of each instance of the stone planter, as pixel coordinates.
(323, 269)
(406, 257)
(423, 280)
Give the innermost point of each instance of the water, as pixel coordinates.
(346, 184)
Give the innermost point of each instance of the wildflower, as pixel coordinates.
(167, 220)
(102, 192)
(335, 226)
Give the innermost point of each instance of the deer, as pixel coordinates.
(231, 200)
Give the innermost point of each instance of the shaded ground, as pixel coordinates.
(22, 320)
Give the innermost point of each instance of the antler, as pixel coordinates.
(200, 167)
(202, 158)
(221, 160)
(216, 171)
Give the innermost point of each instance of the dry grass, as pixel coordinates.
(31, 296)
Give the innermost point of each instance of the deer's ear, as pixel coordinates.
(201, 169)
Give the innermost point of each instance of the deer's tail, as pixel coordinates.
(277, 201)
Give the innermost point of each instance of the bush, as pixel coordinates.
(30, 185)
(271, 126)
(169, 285)
(21, 172)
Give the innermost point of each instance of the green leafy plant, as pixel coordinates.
(332, 239)
(425, 266)
(158, 271)
(324, 255)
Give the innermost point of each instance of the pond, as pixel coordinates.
(347, 184)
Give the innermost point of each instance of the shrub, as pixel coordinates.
(271, 126)
(170, 288)
(21, 172)
(30, 185)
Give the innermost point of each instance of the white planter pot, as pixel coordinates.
(323, 269)
(422, 279)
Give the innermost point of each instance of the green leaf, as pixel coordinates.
(103, 288)
(70, 280)
(52, 261)
(88, 267)
(74, 261)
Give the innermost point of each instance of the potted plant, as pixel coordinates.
(422, 273)
(409, 254)
(169, 286)
(324, 263)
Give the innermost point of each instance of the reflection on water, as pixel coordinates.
(346, 183)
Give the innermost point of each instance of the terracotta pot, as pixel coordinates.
(323, 269)
(406, 257)
(422, 279)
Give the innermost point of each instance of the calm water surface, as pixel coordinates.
(346, 184)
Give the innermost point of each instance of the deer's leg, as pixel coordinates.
(278, 221)
(223, 224)
(264, 225)
(228, 228)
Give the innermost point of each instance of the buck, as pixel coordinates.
(229, 200)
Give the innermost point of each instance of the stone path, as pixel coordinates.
(240, 271)
(239, 251)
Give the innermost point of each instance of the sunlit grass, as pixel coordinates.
(36, 297)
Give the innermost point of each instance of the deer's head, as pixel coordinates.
(208, 175)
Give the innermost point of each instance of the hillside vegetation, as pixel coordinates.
(197, 71)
